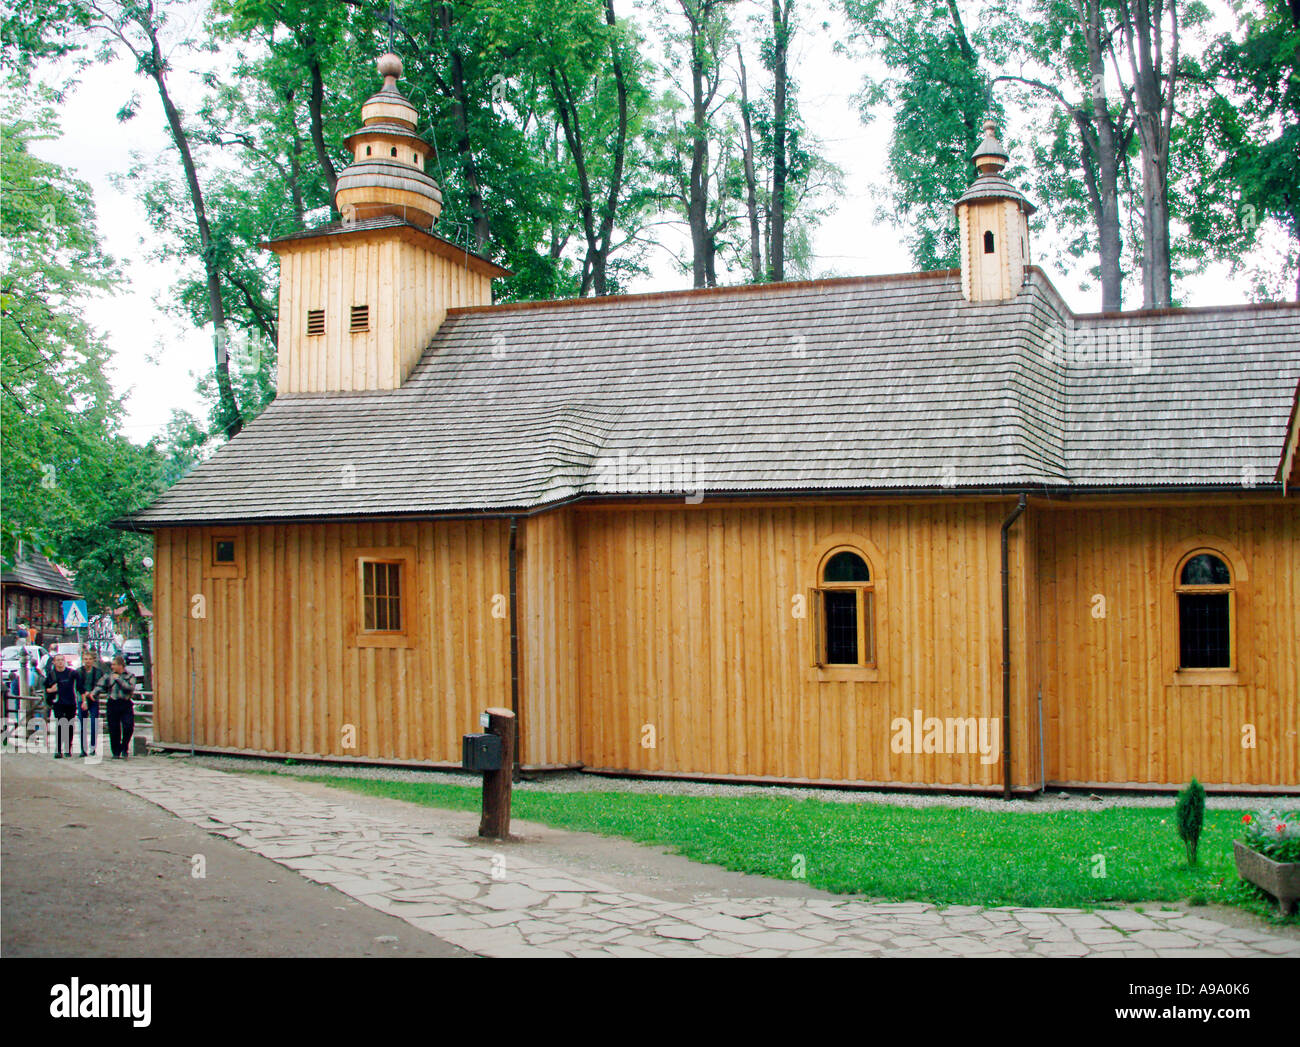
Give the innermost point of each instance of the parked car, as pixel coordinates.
(133, 652)
(11, 657)
(71, 652)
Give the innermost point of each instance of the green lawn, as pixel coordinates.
(946, 855)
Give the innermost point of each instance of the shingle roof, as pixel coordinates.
(878, 383)
(34, 571)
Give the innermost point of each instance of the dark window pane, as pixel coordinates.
(394, 580)
(1205, 569)
(842, 628)
(846, 567)
(369, 603)
(1203, 630)
(395, 614)
(224, 551)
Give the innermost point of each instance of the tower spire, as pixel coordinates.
(386, 176)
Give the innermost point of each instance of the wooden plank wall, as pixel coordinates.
(549, 640)
(1112, 712)
(275, 670)
(686, 626)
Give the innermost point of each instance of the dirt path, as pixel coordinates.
(90, 870)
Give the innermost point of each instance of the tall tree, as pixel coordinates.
(1067, 44)
(939, 96)
(66, 470)
(137, 28)
(699, 36)
(1246, 116)
(777, 59)
(1151, 36)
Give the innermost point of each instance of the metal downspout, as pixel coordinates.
(514, 642)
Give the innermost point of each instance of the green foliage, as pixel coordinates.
(1244, 149)
(1274, 835)
(939, 96)
(1190, 812)
(65, 469)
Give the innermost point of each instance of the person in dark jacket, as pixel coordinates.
(91, 681)
(61, 696)
(120, 692)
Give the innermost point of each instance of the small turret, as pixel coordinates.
(993, 218)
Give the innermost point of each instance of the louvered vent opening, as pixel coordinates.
(315, 321)
(360, 318)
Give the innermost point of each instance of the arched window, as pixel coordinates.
(1204, 592)
(393, 151)
(845, 606)
(988, 242)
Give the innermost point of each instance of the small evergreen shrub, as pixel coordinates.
(1191, 816)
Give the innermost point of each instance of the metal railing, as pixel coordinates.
(31, 716)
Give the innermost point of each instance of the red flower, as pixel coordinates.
(1245, 818)
(1281, 826)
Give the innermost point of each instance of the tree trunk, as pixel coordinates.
(1106, 153)
(1154, 93)
(231, 418)
(460, 115)
(601, 261)
(295, 166)
(316, 106)
(751, 187)
(780, 52)
(697, 208)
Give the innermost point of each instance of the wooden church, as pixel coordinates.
(932, 530)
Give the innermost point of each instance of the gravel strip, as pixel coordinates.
(576, 781)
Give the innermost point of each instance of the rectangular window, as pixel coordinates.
(360, 319)
(315, 321)
(841, 627)
(844, 627)
(225, 555)
(381, 596)
(1203, 630)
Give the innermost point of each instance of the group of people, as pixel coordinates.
(74, 695)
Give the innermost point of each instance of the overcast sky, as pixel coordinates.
(158, 357)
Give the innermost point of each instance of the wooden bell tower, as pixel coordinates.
(360, 299)
(993, 218)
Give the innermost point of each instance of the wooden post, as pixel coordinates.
(495, 823)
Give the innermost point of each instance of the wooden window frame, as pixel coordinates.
(1171, 644)
(311, 313)
(1181, 589)
(361, 312)
(213, 569)
(354, 561)
(865, 671)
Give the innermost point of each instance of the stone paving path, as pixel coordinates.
(505, 905)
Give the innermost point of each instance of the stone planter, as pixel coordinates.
(1280, 879)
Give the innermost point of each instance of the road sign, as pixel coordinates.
(74, 614)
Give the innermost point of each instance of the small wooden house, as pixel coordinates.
(933, 530)
(32, 592)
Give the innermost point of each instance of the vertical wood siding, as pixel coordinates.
(686, 628)
(275, 670)
(680, 619)
(1112, 711)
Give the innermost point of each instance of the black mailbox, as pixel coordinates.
(480, 752)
